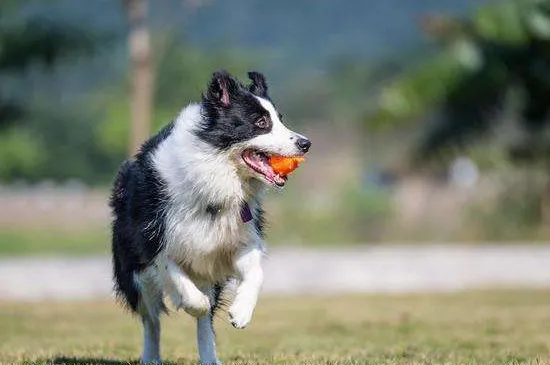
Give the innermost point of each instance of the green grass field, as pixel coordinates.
(511, 327)
(19, 242)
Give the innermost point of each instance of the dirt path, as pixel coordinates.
(384, 268)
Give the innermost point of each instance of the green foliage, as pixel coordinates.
(44, 137)
(417, 90)
(503, 22)
(21, 154)
(37, 141)
(182, 71)
(43, 41)
(465, 85)
(181, 75)
(69, 151)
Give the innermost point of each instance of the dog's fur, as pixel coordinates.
(182, 208)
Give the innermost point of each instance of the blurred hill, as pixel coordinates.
(320, 53)
(289, 36)
(312, 32)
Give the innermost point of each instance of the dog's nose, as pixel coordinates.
(303, 144)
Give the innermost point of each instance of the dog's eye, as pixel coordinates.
(262, 123)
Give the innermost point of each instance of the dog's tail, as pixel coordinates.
(125, 287)
(123, 270)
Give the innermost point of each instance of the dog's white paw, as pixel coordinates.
(241, 312)
(197, 305)
(193, 302)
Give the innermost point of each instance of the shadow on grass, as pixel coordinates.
(93, 361)
(89, 361)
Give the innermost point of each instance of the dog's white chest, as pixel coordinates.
(205, 245)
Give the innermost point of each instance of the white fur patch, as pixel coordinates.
(280, 140)
(196, 175)
(184, 293)
(250, 275)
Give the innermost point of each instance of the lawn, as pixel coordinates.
(511, 327)
(33, 241)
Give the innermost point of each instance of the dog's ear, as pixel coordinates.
(222, 87)
(259, 85)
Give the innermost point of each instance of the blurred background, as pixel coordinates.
(428, 117)
(429, 172)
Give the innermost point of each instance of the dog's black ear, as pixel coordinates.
(259, 85)
(222, 87)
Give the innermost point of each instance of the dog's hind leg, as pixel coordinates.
(149, 307)
(151, 340)
(184, 293)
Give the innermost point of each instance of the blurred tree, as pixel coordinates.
(28, 41)
(88, 137)
(181, 73)
(504, 47)
(142, 75)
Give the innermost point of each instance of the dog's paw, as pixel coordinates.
(215, 362)
(197, 305)
(193, 302)
(240, 313)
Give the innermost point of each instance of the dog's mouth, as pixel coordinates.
(259, 162)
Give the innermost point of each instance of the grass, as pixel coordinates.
(33, 241)
(511, 327)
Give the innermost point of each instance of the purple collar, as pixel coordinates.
(246, 213)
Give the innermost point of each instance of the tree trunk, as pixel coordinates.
(142, 73)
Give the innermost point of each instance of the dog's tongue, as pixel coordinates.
(261, 164)
(272, 175)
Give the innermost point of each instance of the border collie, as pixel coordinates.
(187, 210)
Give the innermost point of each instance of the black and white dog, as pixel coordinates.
(187, 210)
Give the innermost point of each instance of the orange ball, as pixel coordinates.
(284, 165)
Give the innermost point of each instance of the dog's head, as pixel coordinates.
(243, 123)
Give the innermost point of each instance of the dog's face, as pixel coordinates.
(243, 123)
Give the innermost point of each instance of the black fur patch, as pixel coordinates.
(138, 204)
(259, 221)
(259, 85)
(231, 121)
(217, 298)
(213, 210)
(150, 145)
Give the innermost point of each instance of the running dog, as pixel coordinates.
(188, 219)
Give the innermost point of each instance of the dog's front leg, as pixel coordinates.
(184, 293)
(206, 340)
(250, 278)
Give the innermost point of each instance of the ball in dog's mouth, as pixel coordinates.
(259, 162)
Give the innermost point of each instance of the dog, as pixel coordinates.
(187, 211)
